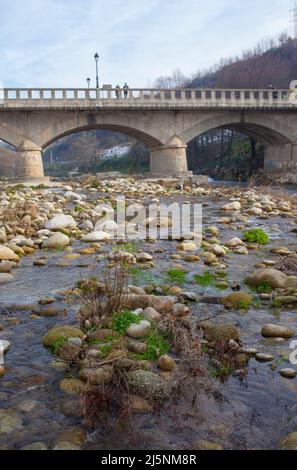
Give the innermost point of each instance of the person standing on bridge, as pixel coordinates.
(126, 89)
(117, 91)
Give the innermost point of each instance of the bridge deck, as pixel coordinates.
(111, 98)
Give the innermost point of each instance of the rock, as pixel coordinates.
(151, 314)
(75, 435)
(95, 237)
(68, 352)
(148, 384)
(232, 206)
(57, 332)
(97, 376)
(187, 246)
(206, 445)
(5, 278)
(166, 363)
(4, 345)
(6, 266)
(191, 296)
(276, 279)
(223, 332)
(242, 250)
(58, 240)
(136, 346)
(139, 330)
(34, 446)
(288, 373)
(76, 340)
(237, 300)
(72, 386)
(2, 371)
(234, 242)
(10, 421)
(60, 221)
(179, 310)
(143, 257)
(100, 334)
(159, 303)
(7, 254)
(64, 445)
(139, 404)
(289, 442)
(261, 357)
(72, 196)
(277, 331)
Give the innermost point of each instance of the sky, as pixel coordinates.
(51, 43)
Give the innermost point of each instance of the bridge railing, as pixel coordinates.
(142, 97)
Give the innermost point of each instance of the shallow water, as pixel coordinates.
(250, 414)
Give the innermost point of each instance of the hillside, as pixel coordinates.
(273, 63)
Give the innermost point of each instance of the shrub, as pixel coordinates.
(256, 235)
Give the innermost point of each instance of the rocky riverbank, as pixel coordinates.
(189, 323)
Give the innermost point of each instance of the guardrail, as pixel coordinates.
(143, 98)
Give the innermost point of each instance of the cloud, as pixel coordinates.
(52, 42)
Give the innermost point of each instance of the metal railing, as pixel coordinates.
(108, 97)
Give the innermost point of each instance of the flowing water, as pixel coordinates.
(253, 413)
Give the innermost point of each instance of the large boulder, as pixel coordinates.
(58, 240)
(60, 221)
(7, 254)
(57, 332)
(276, 279)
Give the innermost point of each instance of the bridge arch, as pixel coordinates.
(131, 127)
(265, 129)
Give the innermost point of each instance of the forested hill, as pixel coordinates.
(273, 63)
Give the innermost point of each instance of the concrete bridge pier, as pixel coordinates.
(280, 158)
(29, 166)
(170, 160)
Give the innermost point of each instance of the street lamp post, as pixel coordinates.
(96, 57)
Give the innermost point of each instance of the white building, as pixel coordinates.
(115, 151)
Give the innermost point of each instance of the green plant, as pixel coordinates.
(156, 345)
(221, 372)
(206, 279)
(78, 209)
(177, 275)
(131, 247)
(121, 321)
(55, 346)
(256, 235)
(263, 288)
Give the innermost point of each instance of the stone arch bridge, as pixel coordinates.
(165, 120)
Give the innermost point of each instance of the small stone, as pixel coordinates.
(139, 330)
(288, 373)
(34, 446)
(289, 442)
(261, 357)
(166, 363)
(72, 386)
(66, 446)
(277, 331)
(151, 314)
